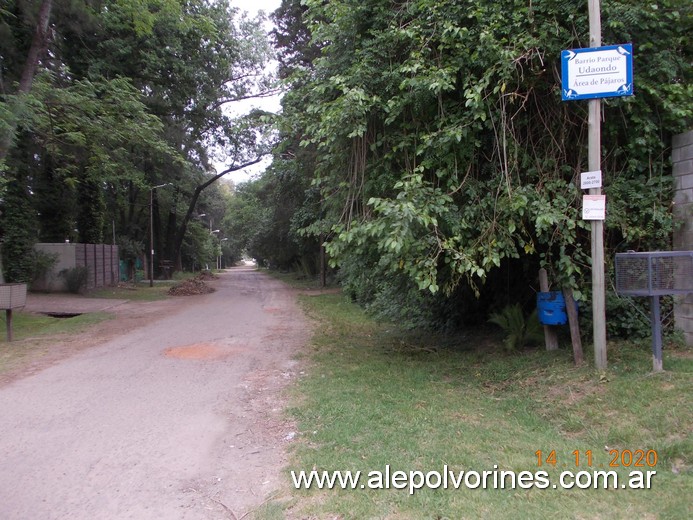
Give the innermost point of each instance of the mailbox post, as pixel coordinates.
(654, 274)
(12, 296)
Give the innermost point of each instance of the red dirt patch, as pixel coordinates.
(201, 351)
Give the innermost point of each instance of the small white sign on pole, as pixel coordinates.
(589, 180)
(593, 207)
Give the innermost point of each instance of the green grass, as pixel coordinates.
(297, 279)
(372, 396)
(136, 292)
(33, 334)
(27, 325)
(141, 291)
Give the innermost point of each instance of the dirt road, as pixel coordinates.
(179, 418)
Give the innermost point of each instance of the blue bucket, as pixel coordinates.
(551, 308)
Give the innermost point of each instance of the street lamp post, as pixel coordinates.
(151, 231)
(221, 253)
(213, 233)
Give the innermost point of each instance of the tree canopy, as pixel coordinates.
(423, 142)
(448, 165)
(101, 101)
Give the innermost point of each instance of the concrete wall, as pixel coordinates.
(66, 259)
(101, 260)
(682, 159)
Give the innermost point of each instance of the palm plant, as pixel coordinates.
(520, 331)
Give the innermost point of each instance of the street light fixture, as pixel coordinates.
(151, 230)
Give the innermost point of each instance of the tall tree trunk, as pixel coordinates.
(39, 46)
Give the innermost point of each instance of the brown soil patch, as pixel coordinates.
(200, 351)
(192, 286)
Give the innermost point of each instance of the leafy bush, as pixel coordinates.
(76, 278)
(396, 301)
(130, 249)
(629, 318)
(519, 331)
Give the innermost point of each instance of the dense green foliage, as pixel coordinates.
(265, 216)
(121, 96)
(20, 234)
(423, 142)
(519, 330)
(447, 163)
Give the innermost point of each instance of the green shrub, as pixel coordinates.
(519, 331)
(628, 317)
(76, 279)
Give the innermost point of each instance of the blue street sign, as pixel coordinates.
(597, 72)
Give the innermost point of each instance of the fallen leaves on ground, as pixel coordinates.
(192, 286)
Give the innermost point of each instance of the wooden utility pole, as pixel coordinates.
(571, 311)
(594, 160)
(151, 236)
(8, 321)
(550, 336)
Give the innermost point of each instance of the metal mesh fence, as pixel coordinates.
(654, 273)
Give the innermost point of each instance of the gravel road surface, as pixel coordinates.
(179, 418)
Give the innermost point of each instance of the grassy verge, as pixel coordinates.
(372, 397)
(141, 291)
(33, 334)
(136, 292)
(299, 280)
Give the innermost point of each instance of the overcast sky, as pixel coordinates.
(253, 6)
(270, 104)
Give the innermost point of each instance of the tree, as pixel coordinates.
(445, 156)
(128, 95)
(194, 60)
(20, 233)
(37, 49)
(264, 217)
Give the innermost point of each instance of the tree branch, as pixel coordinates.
(218, 176)
(226, 101)
(39, 45)
(193, 202)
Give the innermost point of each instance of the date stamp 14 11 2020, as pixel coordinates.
(587, 458)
